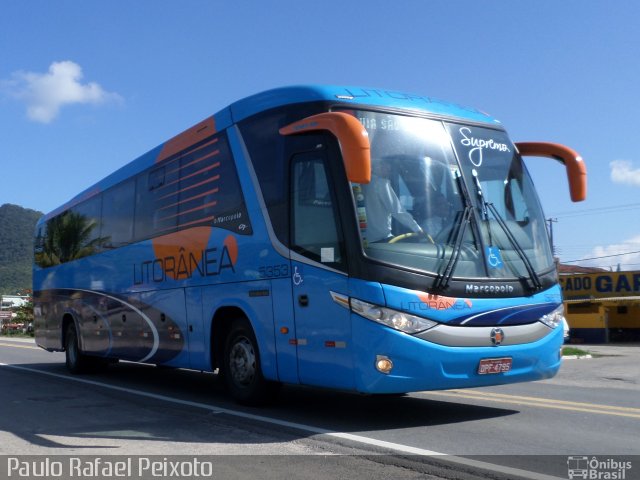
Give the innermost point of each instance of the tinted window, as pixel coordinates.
(156, 201)
(117, 215)
(88, 217)
(71, 235)
(314, 232)
(197, 187)
(210, 191)
(266, 149)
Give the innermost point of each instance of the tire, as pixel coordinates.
(74, 358)
(76, 361)
(241, 367)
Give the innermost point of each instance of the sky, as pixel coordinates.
(87, 86)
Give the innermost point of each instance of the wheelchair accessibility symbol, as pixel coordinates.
(494, 258)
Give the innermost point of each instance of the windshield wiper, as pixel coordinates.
(443, 279)
(537, 284)
(480, 195)
(487, 206)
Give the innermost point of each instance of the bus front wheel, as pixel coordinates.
(241, 367)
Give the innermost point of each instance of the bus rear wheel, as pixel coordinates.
(76, 361)
(241, 367)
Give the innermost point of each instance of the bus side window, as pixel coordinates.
(143, 208)
(117, 215)
(156, 201)
(314, 229)
(83, 228)
(156, 178)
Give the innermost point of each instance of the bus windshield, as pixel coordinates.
(449, 200)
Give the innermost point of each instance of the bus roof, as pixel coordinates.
(351, 96)
(242, 109)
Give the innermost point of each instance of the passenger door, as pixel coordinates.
(319, 266)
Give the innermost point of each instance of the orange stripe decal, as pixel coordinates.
(193, 162)
(202, 170)
(189, 137)
(206, 219)
(201, 207)
(187, 243)
(208, 192)
(209, 180)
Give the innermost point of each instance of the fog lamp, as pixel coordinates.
(383, 364)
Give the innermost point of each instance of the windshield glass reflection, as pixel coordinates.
(424, 173)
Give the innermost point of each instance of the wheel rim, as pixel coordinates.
(242, 362)
(72, 349)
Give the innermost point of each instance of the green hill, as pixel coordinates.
(16, 247)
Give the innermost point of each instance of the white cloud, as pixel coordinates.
(46, 93)
(610, 256)
(623, 171)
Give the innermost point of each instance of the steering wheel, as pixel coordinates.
(404, 236)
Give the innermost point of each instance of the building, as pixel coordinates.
(602, 306)
(13, 301)
(8, 302)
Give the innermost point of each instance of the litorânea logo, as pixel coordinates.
(597, 468)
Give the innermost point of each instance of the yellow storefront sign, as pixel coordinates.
(600, 285)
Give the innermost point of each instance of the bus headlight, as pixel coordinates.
(555, 318)
(391, 318)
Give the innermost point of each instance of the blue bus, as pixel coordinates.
(357, 239)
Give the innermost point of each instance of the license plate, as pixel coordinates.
(494, 365)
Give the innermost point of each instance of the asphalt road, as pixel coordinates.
(591, 409)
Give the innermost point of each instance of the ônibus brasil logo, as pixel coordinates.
(595, 468)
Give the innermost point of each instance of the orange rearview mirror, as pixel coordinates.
(576, 169)
(351, 135)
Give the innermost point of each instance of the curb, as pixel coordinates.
(7, 338)
(575, 357)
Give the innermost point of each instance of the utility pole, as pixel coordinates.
(551, 222)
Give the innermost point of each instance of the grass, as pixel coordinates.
(566, 351)
(14, 333)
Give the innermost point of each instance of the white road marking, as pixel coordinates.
(396, 447)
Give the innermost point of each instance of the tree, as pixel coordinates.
(69, 236)
(24, 313)
(16, 247)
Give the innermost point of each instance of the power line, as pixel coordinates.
(603, 256)
(598, 210)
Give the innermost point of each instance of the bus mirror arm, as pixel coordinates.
(351, 135)
(576, 169)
